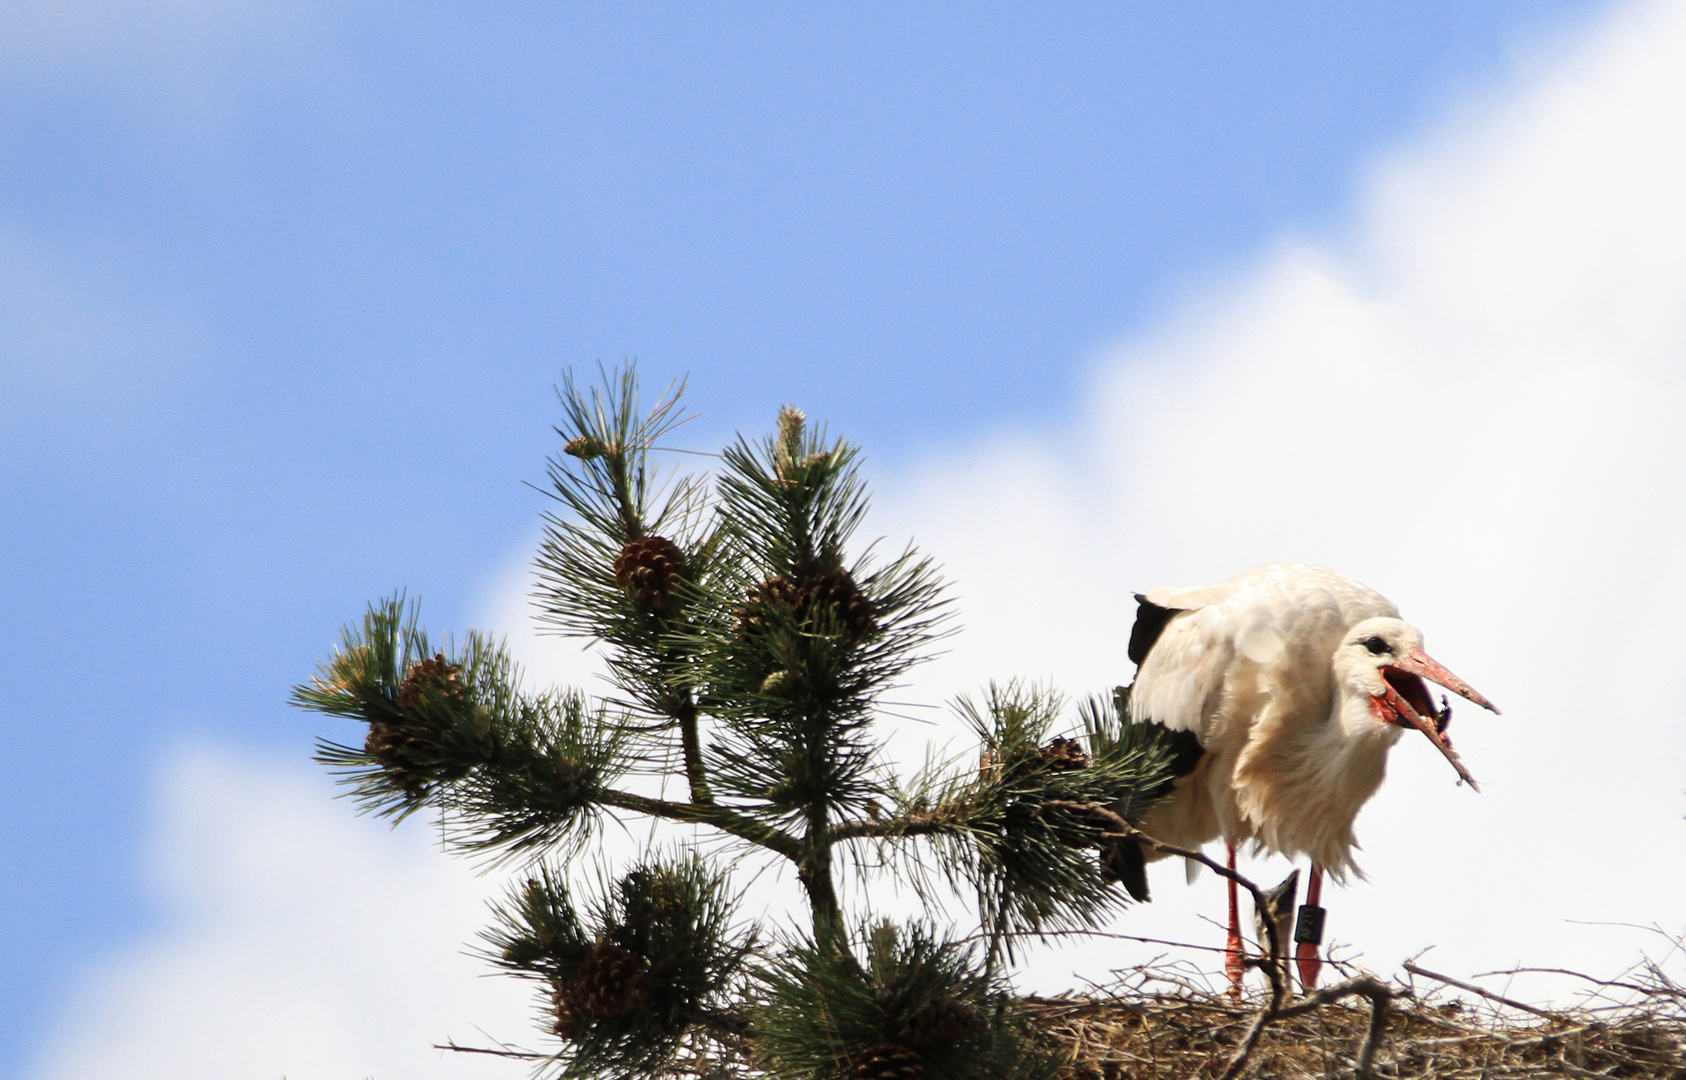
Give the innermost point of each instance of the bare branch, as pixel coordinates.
(906, 825)
(1380, 997)
(1488, 994)
(1109, 935)
(523, 1055)
(722, 818)
(1648, 991)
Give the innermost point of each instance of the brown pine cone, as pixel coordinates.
(611, 982)
(943, 1020)
(395, 743)
(752, 614)
(889, 1061)
(1064, 755)
(837, 594)
(390, 744)
(833, 596)
(430, 678)
(568, 1020)
(651, 570)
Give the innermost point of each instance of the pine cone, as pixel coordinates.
(396, 743)
(651, 570)
(751, 615)
(611, 982)
(833, 596)
(566, 1009)
(390, 744)
(889, 1061)
(837, 594)
(432, 678)
(1064, 755)
(943, 1020)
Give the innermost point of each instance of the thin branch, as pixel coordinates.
(888, 828)
(739, 825)
(984, 935)
(523, 1055)
(1380, 997)
(1488, 994)
(1648, 991)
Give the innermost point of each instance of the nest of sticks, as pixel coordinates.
(1171, 1021)
(1627, 1028)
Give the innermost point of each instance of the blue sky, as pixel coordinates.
(284, 289)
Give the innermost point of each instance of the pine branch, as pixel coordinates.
(649, 961)
(452, 728)
(985, 825)
(726, 820)
(808, 642)
(894, 998)
(623, 564)
(899, 826)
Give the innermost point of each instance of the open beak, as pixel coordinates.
(1419, 663)
(1407, 716)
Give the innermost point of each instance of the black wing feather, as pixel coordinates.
(1150, 623)
(1126, 862)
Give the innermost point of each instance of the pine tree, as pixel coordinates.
(748, 644)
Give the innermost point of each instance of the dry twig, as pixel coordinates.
(1412, 967)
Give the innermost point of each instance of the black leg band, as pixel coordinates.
(1309, 929)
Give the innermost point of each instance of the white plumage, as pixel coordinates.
(1296, 681)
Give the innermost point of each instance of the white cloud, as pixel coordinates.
(296, 941)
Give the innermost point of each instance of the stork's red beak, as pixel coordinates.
(1406, 716)
(1409, 713)
(1418, 662)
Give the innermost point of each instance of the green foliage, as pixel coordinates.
(522, 771)
(792, 673)
(749, 639)
(1144, 748)
(670, 923)
(612, 495)
(537, 933)
(1032, 866)
(822, 1010)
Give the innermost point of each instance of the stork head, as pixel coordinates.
(1383, 660)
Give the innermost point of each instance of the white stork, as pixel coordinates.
(1282, 691)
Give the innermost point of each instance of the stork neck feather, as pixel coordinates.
(1353, 744)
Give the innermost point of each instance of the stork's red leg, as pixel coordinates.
(1308, 932)
(1235, 962)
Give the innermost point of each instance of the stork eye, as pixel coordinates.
(1377, 646)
